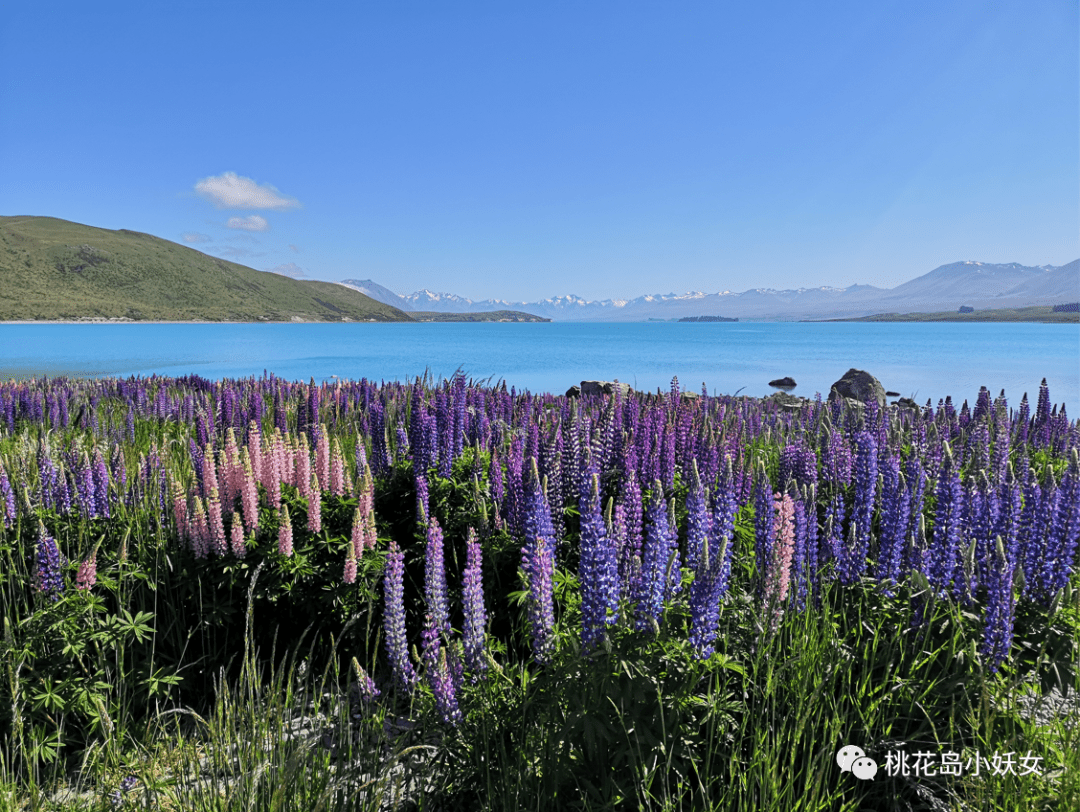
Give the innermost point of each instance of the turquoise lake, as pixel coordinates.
(919, 360)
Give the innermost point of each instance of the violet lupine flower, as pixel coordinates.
(314, 518)
(435, 578)
(1000, 608)
(656, 560)
(236, 541)
(285, 533)
(7, 499)
(423, 501)
(87, 574)
(943, 555)
(397, 647)
(365, 685)
(541, 577)
(472, 597)
(84, 482)
(722, 530)
(440, 675)
(895, 511)
(698, 519)
(705, 602)
(495, 477)
(598, 571)
(763, 528)
(119, 469)
(47, 577)
(1065, 528)
(852, 562)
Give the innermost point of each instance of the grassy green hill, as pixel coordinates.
(54, 269)
(1043, 314)
(490, 315)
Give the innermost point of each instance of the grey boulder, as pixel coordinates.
(859, 386)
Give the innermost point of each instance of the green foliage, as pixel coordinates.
(55, 269)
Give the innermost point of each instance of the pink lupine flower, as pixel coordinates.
(785, 547)
(274, 472)
(322, 456)
(350, 565)
(180, 511)
(315, 506)
(237, 540)
(217, 527)
(369, 530)
(358, 540)
(87, 575)
(285, 546)
(210, 480)
(303, 468)
(337, 471)
(200, 531)
(249, 497)
(254, 447)
(230, 461)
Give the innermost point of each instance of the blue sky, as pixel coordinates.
(524, 150)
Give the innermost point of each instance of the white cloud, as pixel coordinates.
(250, 223)
(290, 269)
(294, 248)
(194, 237)
(231, 191)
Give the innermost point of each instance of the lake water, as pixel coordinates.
(921, 360)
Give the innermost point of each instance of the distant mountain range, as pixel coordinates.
(980, 285)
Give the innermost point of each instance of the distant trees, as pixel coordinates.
(1071, 307)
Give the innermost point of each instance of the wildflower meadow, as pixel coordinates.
(269, 594)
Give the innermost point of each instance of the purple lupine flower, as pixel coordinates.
(1063, 533)
(365, 685)
(7, 499)
(763, 528)
(423, 502)
(722, 530)
(100, 476)
(472, 597)
(943, 555)
(631, 507)
(439, 674)
(895, 508)
(397, 647)
(47, 577)
(698, 519)
(852, 563)
(217, 526)
(597, 572)
(495, 477)
(656, 560)
(1000, 608)
(541, 577)
(435, 577)
(236, 540)
(84, 482)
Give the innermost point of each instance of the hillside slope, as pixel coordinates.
(56, 269)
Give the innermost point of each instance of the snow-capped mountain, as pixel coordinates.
(977, 284)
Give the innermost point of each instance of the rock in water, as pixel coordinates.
(859, 386)
(597, 388)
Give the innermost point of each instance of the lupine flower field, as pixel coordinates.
(478, 598)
